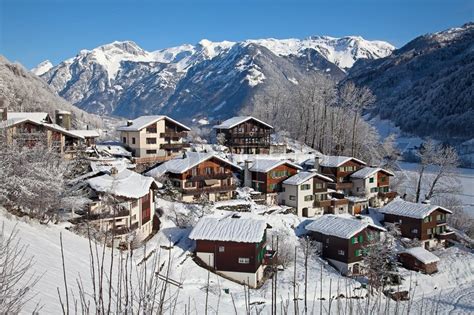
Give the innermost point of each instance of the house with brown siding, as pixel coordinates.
(266, 176)
(233, 246)
(419, 259)
(245, 134)
(123, 203)
(372, 183)
(154, 137)
(197, 175)
(343, 240)
(425, 222)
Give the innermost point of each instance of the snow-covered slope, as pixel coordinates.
(42, 68)
(123, 79)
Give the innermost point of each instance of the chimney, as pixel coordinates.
(426, 202)
(113, 171)
(317, 161)
(4, 114)
(247, 174)
(129, 123)
(63, 118)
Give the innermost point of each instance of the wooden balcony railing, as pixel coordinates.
(322, 203)
(174, 146)
(209, 176)
(197, 191)
(173, 134)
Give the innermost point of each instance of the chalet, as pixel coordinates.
(338, 168)
(90, 136)
(343, 240)
(196, 175)
(30, 128)
(266, 176)
(424, 222)
(154, 137)
(372, 183)
(419, 259)
(245, 134)
(123, 203)
(307, 192)
(234, 247)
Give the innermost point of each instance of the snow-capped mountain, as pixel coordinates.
(123, 79)
(426, 86)
(42, 68)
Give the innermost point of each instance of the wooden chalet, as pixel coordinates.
(266, 176)
(419, 259)
(199, 175)
(372, 183)
(234, 247)
(245, 134)
(425, 222)
(343, 240)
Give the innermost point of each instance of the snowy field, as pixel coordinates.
(454, 280)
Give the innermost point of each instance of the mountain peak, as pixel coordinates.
(42, 67)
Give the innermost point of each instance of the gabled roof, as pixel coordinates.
(229, 229)
(266, 165)
(125, 183)
(35, 116)
(144, 121)
(86, 133)
(408, 209)
(183, 164)
(338, 226)
(16, 121)
(234, 121)
(421, 254)
(369, 171)
(336, 161)
(302, 177)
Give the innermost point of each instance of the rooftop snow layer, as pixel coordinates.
(336, 161)
(409, 209)
(234, 121)
(229, 229)
(422, 255)
(264, 165)
(126, 184)
(35, 116)
(182, 164)
(338, 226)
(369, 171)
(86, 133)
(302, 177)
(144, 121)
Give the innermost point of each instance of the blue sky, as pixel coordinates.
(34, 30)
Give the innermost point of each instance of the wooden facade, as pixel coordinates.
(341, 174)
(248, 137)
(411, 262)
(271, 181)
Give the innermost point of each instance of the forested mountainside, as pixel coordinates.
(212, 79)
(23, 91)
(427, 86)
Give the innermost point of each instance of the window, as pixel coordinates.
(133, 140)
(327, 241)
(340, 252)
(292, 198)
(221, 249)
(194, 171)
(150, 151)
(341, 169)
(373, 189)
(134, 203)
(318, 185)
(354, 240)
(382, 179)
(208, 170)
(428, 231)
(189, 184)
(221, 170)
(358, 189)
(283, 189)
(358, 252)
(305, 187)
(361, 238)
(273, 186)
(427, 219)
(124, 140)
(244, 260)
(150, 140)
(414, 231)
(308, 198)
(371, 180)
(151, 129)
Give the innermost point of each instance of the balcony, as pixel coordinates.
(340, 185)
(447, 235)
(322, 203)
(387, 195)
(209, 176)
(197, 191)
(122, 230)
(108, 215)
(250, 134)
(173, 134)
(245, 145)
(174, 146)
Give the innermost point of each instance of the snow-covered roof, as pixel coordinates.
(229, 229)
(126, 184)
(234, 121)
(86, 133)
(106, 165)
(113, 148)
(421, 254)
(403, 208)
(18, 120)
(265, 165)
(302, 177)
(144, 121)
(35, 116)
(338, 226)
(369, 171)
(336, 161)
(183, 164)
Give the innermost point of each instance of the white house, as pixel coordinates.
(371, 182)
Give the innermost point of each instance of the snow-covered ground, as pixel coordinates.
(455, 279)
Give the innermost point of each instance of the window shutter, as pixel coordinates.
(361, 238)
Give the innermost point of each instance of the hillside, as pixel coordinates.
(426, 87)
(215, 79)
(24, 91)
